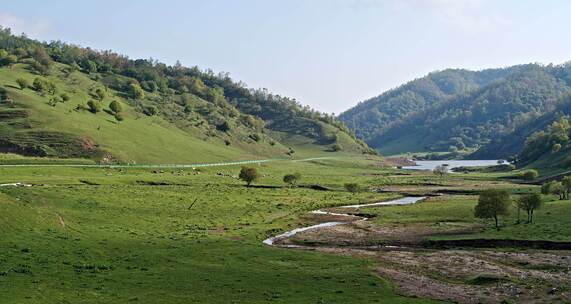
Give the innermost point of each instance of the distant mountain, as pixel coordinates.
(487, 105)
(62, 100)
(377, 114)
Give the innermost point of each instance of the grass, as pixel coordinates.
(194, 239)
(551, 221)
(32, 121)
(101, 235)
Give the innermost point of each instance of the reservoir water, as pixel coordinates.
(431, 164)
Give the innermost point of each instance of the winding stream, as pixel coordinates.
(401, 201)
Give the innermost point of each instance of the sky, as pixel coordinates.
(329, 54)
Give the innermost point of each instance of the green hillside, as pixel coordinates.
(56, 101)
(472, 118)
(379, 113)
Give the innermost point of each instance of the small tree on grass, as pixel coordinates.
(530, 175)
(115, 107)
(94, 106)
(492, 204)
(529, 202)
(440, 170)
(99, 94)
(292, 179)
(249, 175)
(352, 187)
(23, 83)
(553, 187)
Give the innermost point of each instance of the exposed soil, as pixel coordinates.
(458, 275)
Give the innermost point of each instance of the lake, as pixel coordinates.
(431, 164)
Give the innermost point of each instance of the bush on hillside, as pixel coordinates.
(151, 110)
(529, 175)
(94, 106)
(23, 83)
(115, 107)
(352, 187)
(292, 179)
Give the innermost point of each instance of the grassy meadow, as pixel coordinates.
(92, 235)
(116, 235)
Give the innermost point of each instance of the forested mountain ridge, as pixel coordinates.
(63, 100)
(379, 113)
(473, 118)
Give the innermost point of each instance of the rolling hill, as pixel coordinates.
(502, 102)
(65, 101)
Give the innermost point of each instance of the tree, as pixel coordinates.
(40, 85)
(492, 204)
(115, 107)
(440, 170)
(292, 179)
(529, 202)
(135, 91)
(352, 187)
(554, 187)
(249, 175)
(90, 67)
(530, 175)
(94, 106)
(23, 83)
(547, 188)
(6, 58)
(99, 94)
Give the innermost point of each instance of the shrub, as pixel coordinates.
(115, 107)
(94, 106)
(99, 94)
(136, 92)
(440, 170)
(6, 58)
(151, 110)
(292, 179)
(352, 187)
(23, 83)
(249, 175)
(530, 175)
(39, 85)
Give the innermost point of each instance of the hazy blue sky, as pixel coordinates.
(329, 54)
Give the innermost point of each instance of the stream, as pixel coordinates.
(401, 201)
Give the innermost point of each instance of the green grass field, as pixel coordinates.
(100, 235)
(91, 235)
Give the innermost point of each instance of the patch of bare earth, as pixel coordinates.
(365, 233)
(461, 276)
